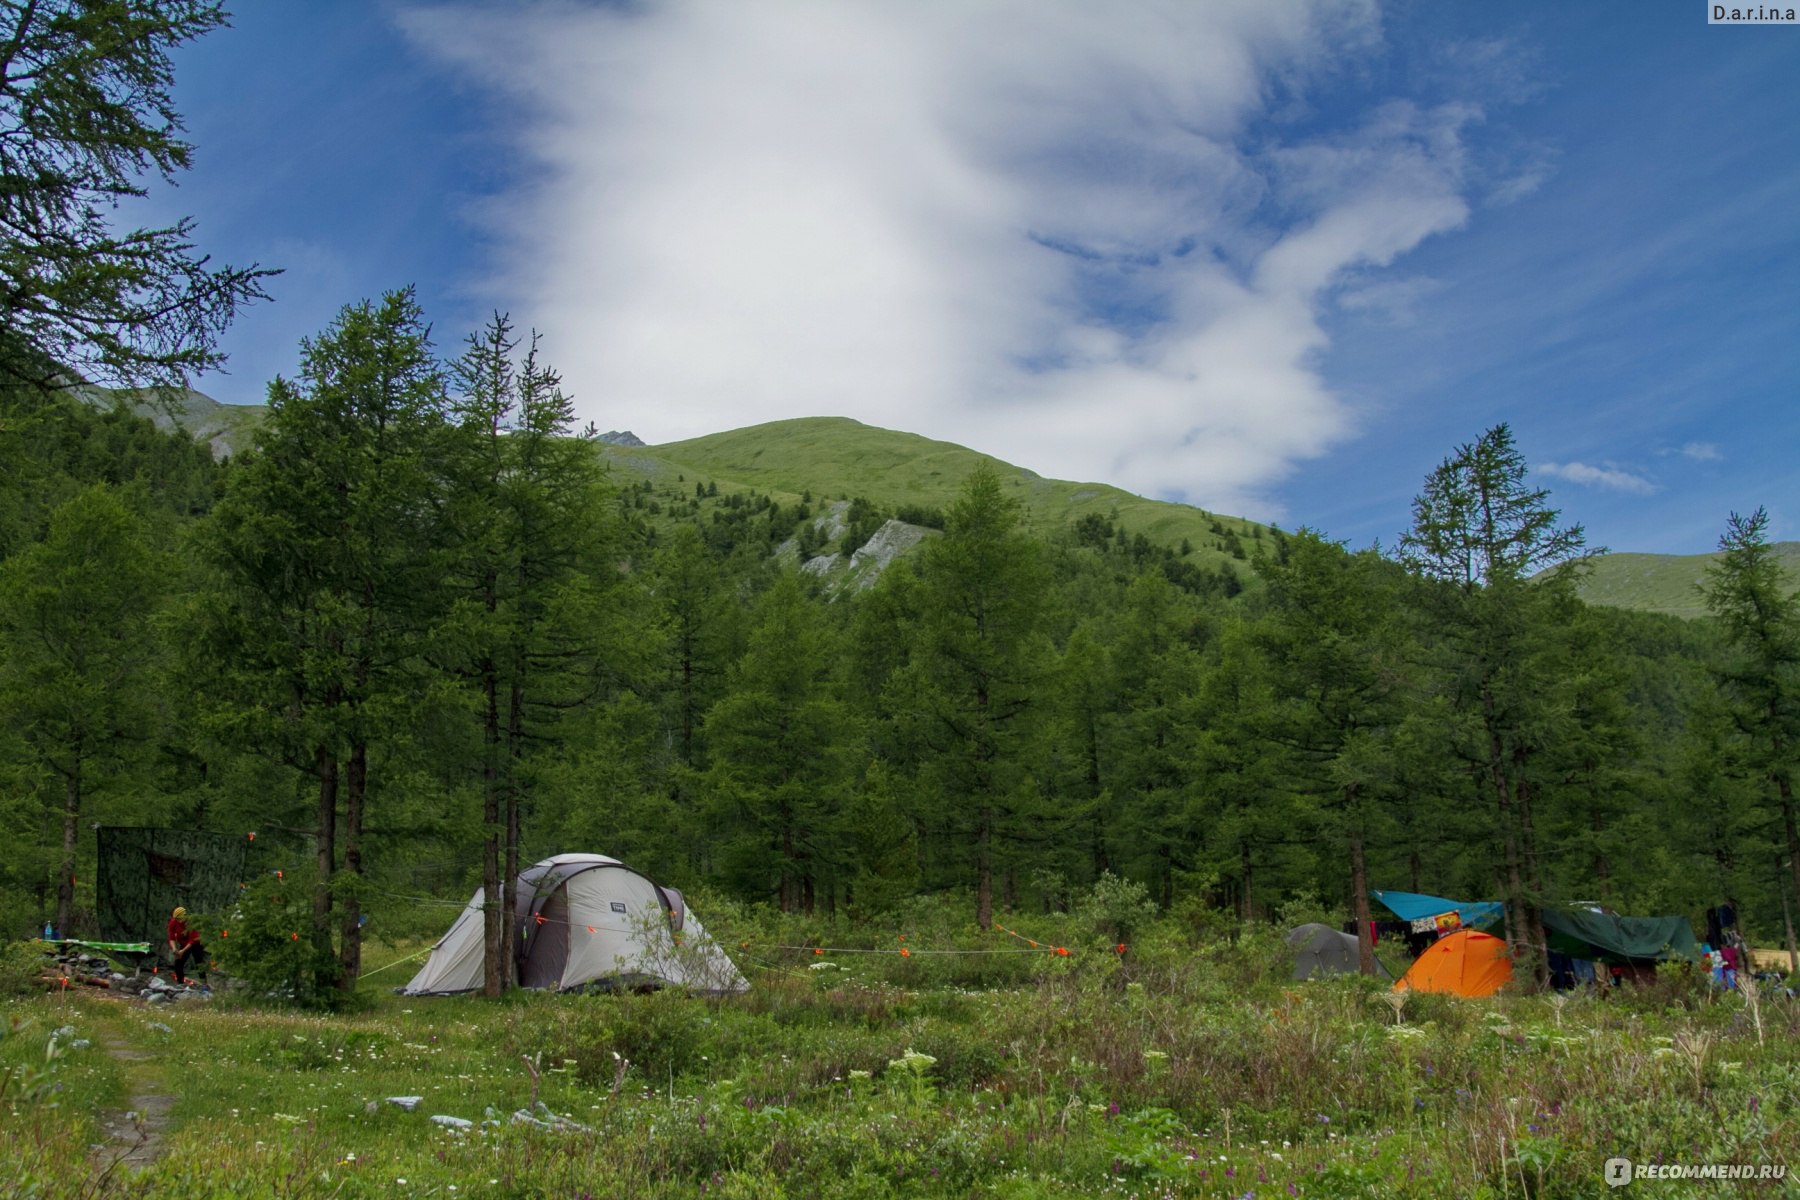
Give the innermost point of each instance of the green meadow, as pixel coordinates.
(1188, 1066)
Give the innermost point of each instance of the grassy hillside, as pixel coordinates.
(1664, 583)
(836, 457)
(228, 428)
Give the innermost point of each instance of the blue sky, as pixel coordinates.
(1274, 258)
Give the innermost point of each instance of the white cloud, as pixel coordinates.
(1064, 233)
(1702, 452)
(1604, 477)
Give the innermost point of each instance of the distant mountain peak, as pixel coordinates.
(622, 437)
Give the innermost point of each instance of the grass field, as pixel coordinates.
(1187, 1066)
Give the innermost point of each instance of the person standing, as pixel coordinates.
(185, 946)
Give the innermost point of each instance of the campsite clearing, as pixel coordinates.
(1178, 1068)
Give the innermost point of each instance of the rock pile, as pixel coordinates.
(92, 970)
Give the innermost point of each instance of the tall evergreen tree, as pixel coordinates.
(977, 672)
(85, 114)
(1338, 658)
(76, 655)
(1493, 545)
(1750, 598)
(780, 742)
(330, 565)
(533, 548)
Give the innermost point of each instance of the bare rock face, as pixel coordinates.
(879, 552)
(622, 437)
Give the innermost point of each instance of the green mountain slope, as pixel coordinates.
(1664, 583)
(228, 428)
(836, 457)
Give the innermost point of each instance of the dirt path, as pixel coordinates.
(135, 1133)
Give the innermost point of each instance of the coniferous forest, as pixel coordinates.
(419, 633)
(413, 626)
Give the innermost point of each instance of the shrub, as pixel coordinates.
(1115, 908)
(20, 965)
(268, 944)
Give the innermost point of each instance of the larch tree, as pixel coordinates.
(1337, 655)
(77, 652)
(780, 746)
(532, 555)
(1492, 544)
(979, 668)
(1749, 596)
(86, 115)
(329, 556)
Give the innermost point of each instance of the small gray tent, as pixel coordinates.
(1320, 950)
(585, 921)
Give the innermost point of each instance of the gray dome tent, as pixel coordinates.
(1320, 950)
(585, 921)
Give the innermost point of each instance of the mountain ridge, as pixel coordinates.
(840, 458)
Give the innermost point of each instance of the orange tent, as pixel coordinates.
(1465, 964)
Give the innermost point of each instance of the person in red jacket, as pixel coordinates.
(185, 946)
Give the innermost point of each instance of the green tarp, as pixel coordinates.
(121, 947)
(144, 873)
(1603, 937)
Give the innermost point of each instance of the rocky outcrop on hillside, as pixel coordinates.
(879, 552)
(622, 437)
(865, 566)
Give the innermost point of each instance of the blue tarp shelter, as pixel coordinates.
(1411, 906)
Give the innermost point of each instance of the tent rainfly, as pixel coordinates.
(585, 921)
(1320, 950)
(1466, 963)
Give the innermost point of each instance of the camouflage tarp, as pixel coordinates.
(145, 873)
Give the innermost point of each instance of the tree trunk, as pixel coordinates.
(1793, 841)
(984, 869)
(65, 883)
(1534, 882)
(1359, 888)
(509, 906)
(785, 897)
(1246, 870)
(1518, 917)
(356, 791)
(494, 975)
(326, 768)
(1787, 919)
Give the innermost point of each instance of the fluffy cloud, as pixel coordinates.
(1071, 235)
(1603, 477)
